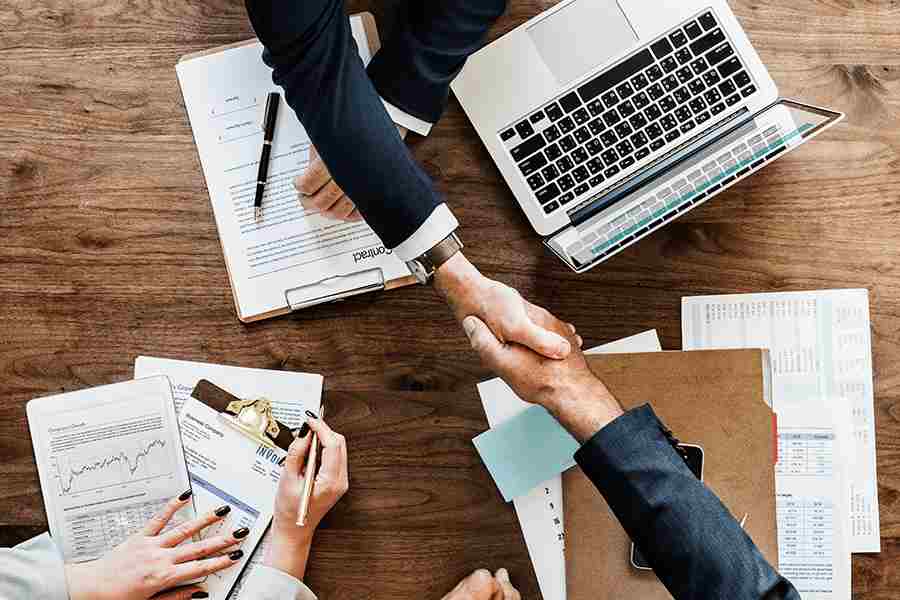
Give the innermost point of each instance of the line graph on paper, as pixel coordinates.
(112, 455)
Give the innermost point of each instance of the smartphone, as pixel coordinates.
(693, 456)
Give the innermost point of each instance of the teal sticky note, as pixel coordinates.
(525, 451)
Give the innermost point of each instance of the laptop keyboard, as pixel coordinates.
(638, 109)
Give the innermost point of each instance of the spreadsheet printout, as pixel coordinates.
(820, 344)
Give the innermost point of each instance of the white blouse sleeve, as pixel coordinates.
(33, 570)
(266, 583)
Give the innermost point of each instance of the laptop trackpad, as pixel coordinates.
(581, 36)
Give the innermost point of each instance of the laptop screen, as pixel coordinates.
(684, 180)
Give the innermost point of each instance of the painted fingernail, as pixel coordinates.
(241, 533)
(304, 429)
(236, 555)
(185, 495)
(311, 414)
(200, 594)
(223, 510)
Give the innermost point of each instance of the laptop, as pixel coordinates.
(608, 119)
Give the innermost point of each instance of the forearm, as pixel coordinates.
(416, 65)
(33, 570)
(289, 555)
(680, 525)
(310, 47)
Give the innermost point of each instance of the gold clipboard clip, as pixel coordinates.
(254, 419)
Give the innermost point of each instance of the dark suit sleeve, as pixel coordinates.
(310, 47)
(694, 544)
(414, 68)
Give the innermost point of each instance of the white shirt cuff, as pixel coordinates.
(266, 583)
(439, 224)
(405, 119)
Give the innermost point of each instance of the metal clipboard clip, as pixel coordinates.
(332, 289)
(253, 418)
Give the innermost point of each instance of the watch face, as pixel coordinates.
(418, 270)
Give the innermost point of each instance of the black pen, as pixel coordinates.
(271, 115)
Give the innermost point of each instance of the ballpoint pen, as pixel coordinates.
(310, 476)
(271, 114)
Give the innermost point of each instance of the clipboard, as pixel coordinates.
(252, 417)
(336, 287)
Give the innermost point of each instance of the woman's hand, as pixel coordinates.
(150, 562)
(289, 550)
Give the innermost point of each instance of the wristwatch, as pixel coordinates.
(424, 266)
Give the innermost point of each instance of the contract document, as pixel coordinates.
(821, 349)
(228, 468)
(812, 503)
(540, 512)
(290, 257)
(109, 458)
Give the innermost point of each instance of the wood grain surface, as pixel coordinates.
(108, 250)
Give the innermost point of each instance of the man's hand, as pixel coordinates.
(319, 192)
(481, 585)
(506, 313)
(567, 388)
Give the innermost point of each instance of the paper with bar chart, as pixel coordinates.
(108, 459)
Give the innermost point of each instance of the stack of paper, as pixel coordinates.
(540, 511)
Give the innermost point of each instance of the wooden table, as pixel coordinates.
(108, 250)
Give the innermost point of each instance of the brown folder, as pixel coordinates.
(717, 399)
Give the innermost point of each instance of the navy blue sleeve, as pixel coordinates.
(310, 47)
(414, 68)
(694, 544)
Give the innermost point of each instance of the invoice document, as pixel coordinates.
(812, 503)
(109, 458)
(228, 468)
(821, 349)
(540, 512)
(291, 395)
(290, 250)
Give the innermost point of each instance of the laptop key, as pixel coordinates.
(611, 172)
(609, 138)
(532, 164)
(681, 95)
(729, 67)
(623, 130)
(579, 155)
(678, 39)
(553, 152)
(707, 42)
(653, 112)
(581, 116)
(684, 56)
(727, 88)
(596, 126)
(669, 64)
(642, 154)
(565, 164)
(581, 135)
(670, 83)
(748, 91)
(566, 183)
(595, 165)
(654, 131)
(535, 181)
(696, 86)
(707, 20)
(711, 78)
(567, 143)
(554, 112)
(637, 121)
(551, 133)
(570, 102)
(537, 117)
(699, 65)
(693, 30)
(712, 96)
(716, 109)
(626, 108)
(508, 135)
(550, 172)
(685, 127)
(610, 157)
(548, 193)
(697, 105)
(595, 107)
(566, 124)
(657, 144)
(527, 148)
(654, 73)
(656, 91)
(684, 74)
(668, 122)
(661, 48)
(742, 79)
(639, 139)
(594, 147)
(549, 208)
(625, 90)
(611, 117)
(683, 114)
(525, 130)
(639, 81)
(627, 162)
(610, 99)
(702, 117)
(566, 198)
(673, 135)
(732, 100)
(624, 148)
(580, 174)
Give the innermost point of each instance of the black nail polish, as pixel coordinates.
(223, 510)
(236, 555)
(304, 429)
(185, 495)
(311, 414)
(241, 533)
(199, 595)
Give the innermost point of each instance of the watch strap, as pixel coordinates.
(441, 252)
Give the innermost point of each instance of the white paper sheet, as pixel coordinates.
(109, 458)
(540, 512)
(291, 394)
(289, 247)
(821, 350)
(813, 500)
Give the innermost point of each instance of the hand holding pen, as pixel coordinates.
(289, 548)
